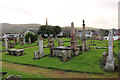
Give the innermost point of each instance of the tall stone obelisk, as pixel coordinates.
(110, 59)
(84, 45)
(73, 41)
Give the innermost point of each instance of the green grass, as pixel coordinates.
(22, 74)
(88, 62)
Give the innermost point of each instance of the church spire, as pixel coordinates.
(46, 22)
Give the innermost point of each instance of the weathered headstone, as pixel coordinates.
(29, 40)
(78, 36)
(18, 38)
(110, 59)
(6, 43)
(48, 44)
(60, 42)
(84, 38)
(68, 34)
(36, 55)
(64, 55)
(41, 46)
(86, 46)
(52, 44)
(15, 40)
(104, 58)
(73, 41)
(119, 60)
(89, 45)
(21, 41)
(24, 40)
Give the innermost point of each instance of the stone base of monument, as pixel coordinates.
(38, 55)
(64, 52)
(76, 52)
(16, 52)
(110, 64)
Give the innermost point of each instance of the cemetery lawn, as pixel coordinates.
(22, 74)
(88, 62)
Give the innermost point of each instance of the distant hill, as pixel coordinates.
(6, 27)
(13, 28)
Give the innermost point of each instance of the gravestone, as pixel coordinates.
(119, 60)
(24, 40)
(40, 39)
(76, 36)
(48, 44)
(40, 53)
(110, 59)
(104, 58)
(49, 41)
(29, 40)
(68, 34)
(86, 46)
(60, 42)
(6, 43)
(64, 55)
(15, 40)
(89, 45)
(73, 41)
(52, 44)
(84, 41)
(18, 38)
(36, 55)
(21, 41)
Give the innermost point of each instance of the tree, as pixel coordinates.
(48, 29)
(93, 30)
(57, 30)
(32, 36)
(106, 32)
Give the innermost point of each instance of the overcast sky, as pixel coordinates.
(97, 13)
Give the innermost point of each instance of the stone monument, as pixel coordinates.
(76, 36)
(6, 43)
(40, 39)
(84, 43)
(24, 40)
(73, 40)
(21, 41)
(15, 40)
(60, 42)
(29, 40)
(110, 59)
(89, 45)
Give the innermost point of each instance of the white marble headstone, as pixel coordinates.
(6, 44)
(110, 59)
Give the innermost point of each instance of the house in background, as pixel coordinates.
(31, 30)
(88, 33)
